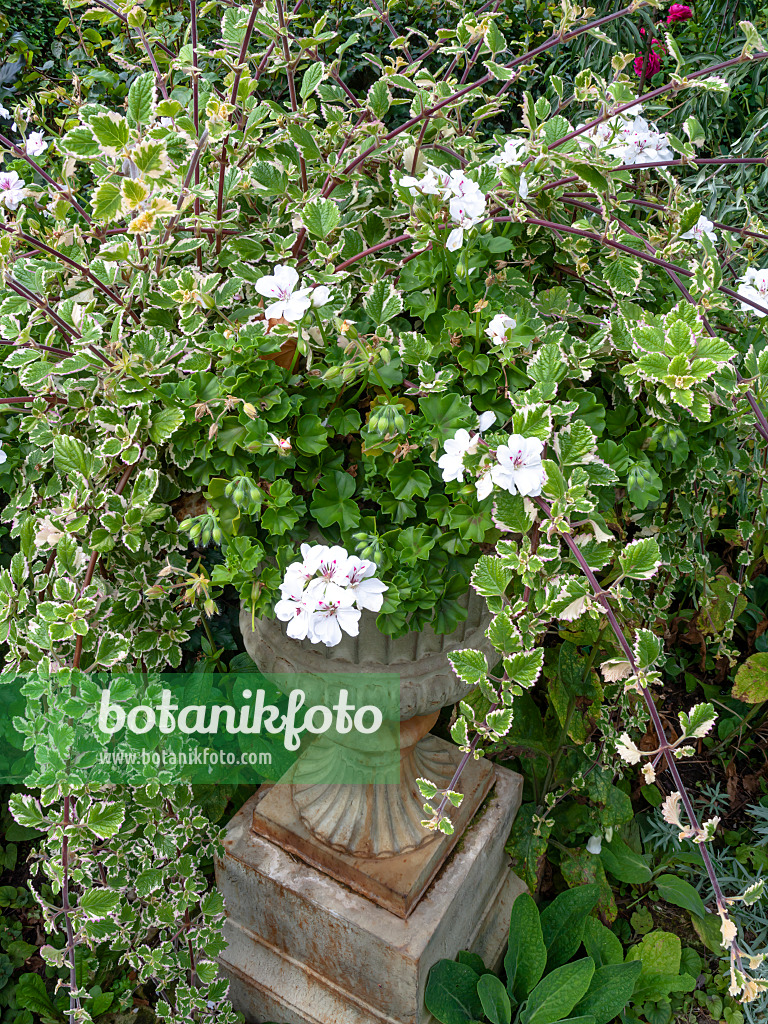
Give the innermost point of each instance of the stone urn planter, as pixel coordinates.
(339, 901)
(342, 824)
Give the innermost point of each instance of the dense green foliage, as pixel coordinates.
(170, 446)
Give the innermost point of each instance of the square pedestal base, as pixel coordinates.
(395, 883)
(306, 949)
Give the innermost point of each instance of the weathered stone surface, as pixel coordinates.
(304, 949)
(397, 881)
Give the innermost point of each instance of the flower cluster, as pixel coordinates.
(466, 200)
(290, 302)
(324, 594)
(515, 467)
(633, 142)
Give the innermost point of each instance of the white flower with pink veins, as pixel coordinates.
(499, 329)
(335, 613)
(466, 211)
(703, 226)
(36, 144)
(754, 286)
(289, 302)
(519, 469)
(298, 574)
(299, 614)
(368, 593)
(456, 447)
(12, 190)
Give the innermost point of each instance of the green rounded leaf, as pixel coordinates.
(451, 994)
(609, 992)
(680, 893)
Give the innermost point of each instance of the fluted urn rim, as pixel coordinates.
(427, 679)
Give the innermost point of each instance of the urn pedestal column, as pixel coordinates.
(338, 900)
(306, 949)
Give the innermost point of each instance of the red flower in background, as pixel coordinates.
(654, 59)
(654, 64)
(679, 12)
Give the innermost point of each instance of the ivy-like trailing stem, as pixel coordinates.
(367, 252)
(123, 18)
(291, 86)
(74, 1000)
(158, 77)
(196, 118)
(63, 192)
(665, 747)
(655, 93)
(170, 226)
(707, 161)
(555, 40)
(761, 421)
(69, 262)
(255, 7)
(92, 564)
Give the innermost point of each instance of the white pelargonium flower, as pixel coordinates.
(322, 595)
(12, 190)
(519, 468)
(335, 613)
(434, 182)
(320, 295)
(703, 226)
(290, 302)
(282, 444)
(485, 420)
(5, 113)
(298, 574)
(456, 447)
(298, 614)
(466, 198)
(36, 144)
(466, 209)
(594, 845)
(47, 534)
(754, 286)
(643, 144)
(511, 155)
(368, 592)
(499, 329)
